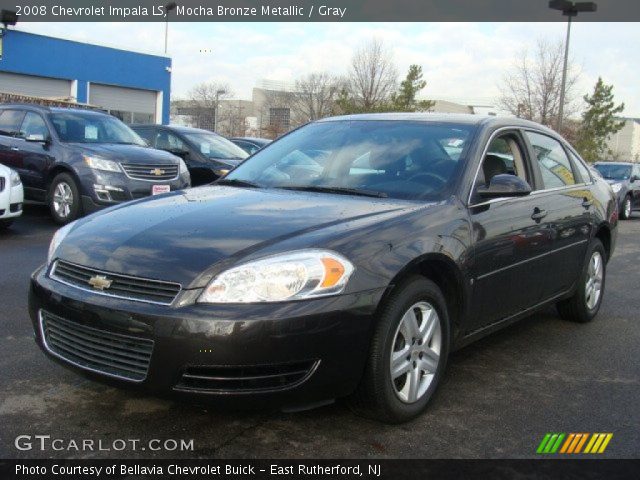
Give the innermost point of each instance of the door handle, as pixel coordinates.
(586, 203)
(538, 214)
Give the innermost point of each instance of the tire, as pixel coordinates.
(625, 208)
(4, 224)
(64, 199)
(581, 307)
(379, 396)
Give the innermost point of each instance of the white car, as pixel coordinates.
(11, 196)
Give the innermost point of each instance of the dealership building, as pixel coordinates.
(132, 86)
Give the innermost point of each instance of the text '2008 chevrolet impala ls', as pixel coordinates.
(346, 259)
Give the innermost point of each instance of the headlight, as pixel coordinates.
(183, 167)
(57, 239)
(102, 164)
(221, 172)
(15, 179)
(290, 276)
(616, 187)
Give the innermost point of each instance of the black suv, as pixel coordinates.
(208, 155)
(624, 178)
(78, 160)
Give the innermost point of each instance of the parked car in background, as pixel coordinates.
(624, 178)
(250, 144)
(290, 286)
(78, 161)
(11, 196)
(208, 155)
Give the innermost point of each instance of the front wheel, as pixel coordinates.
(64, 199)
(583, 306)
(625, 210)
(408, 353)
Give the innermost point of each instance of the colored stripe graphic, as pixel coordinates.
(573, 443)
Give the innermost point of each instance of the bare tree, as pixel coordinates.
(531, 89)
(202, 100)
(275, 113)
(314, 96)
(371, 80)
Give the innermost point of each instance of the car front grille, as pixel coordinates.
(100, 351)
(120, 286)
(245, 378)
(153, 172)
(2, 183)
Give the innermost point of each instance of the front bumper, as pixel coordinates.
(331, 335)
(11, 199)
(104, 189)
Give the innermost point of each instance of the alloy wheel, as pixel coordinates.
(627, 208)
(593, 286)
(62, 199)
(415, 353)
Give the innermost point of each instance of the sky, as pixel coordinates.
(462, 62)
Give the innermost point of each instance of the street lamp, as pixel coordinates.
(569, 10)
(215, 111)
(167, 8)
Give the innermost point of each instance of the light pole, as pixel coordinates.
(167, 8)
(215, 111)
(569, 10)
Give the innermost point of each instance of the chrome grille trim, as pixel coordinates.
(100, 351)
(142, 171)
(126, 287)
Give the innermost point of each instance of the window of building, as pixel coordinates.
(280, 118)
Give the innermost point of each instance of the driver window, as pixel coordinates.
(504, 156)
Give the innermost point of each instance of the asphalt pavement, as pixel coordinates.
(499, 398)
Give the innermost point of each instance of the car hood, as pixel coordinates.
(127, 153)
(178, 236)
(232, 162)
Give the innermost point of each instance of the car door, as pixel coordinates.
(567, 203)
(10, 120)
(34, 149)
(635, 186)
(510, 239)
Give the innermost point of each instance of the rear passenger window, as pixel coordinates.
(582, 169)
(553, 161)
(10, 121)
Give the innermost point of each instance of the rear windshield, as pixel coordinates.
(614, 172)
(78, 127)
(215, 146)
(399, 159)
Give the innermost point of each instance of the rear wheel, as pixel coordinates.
(408, 353)
(64, 199)
(583, 306)
(625, 210)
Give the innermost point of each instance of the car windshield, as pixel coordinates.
(399, 159)
(614, 172)
(215, 146)
(79, 127)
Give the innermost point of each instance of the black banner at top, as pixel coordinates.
(314, 11)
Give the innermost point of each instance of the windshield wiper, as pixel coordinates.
(236, 183)
(338, 190)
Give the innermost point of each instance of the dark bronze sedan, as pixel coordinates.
(349, 272)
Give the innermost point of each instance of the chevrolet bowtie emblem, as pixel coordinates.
(100, 282)
(157, 172)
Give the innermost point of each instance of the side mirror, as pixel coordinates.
(183, 154)
(505, 185)
(36, 137)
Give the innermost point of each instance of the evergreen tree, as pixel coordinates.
(598, 123)
(405, 99)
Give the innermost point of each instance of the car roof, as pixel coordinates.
(616, 163)
(259, 140)
(432, 117)
(174, 128)
(46, 108)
